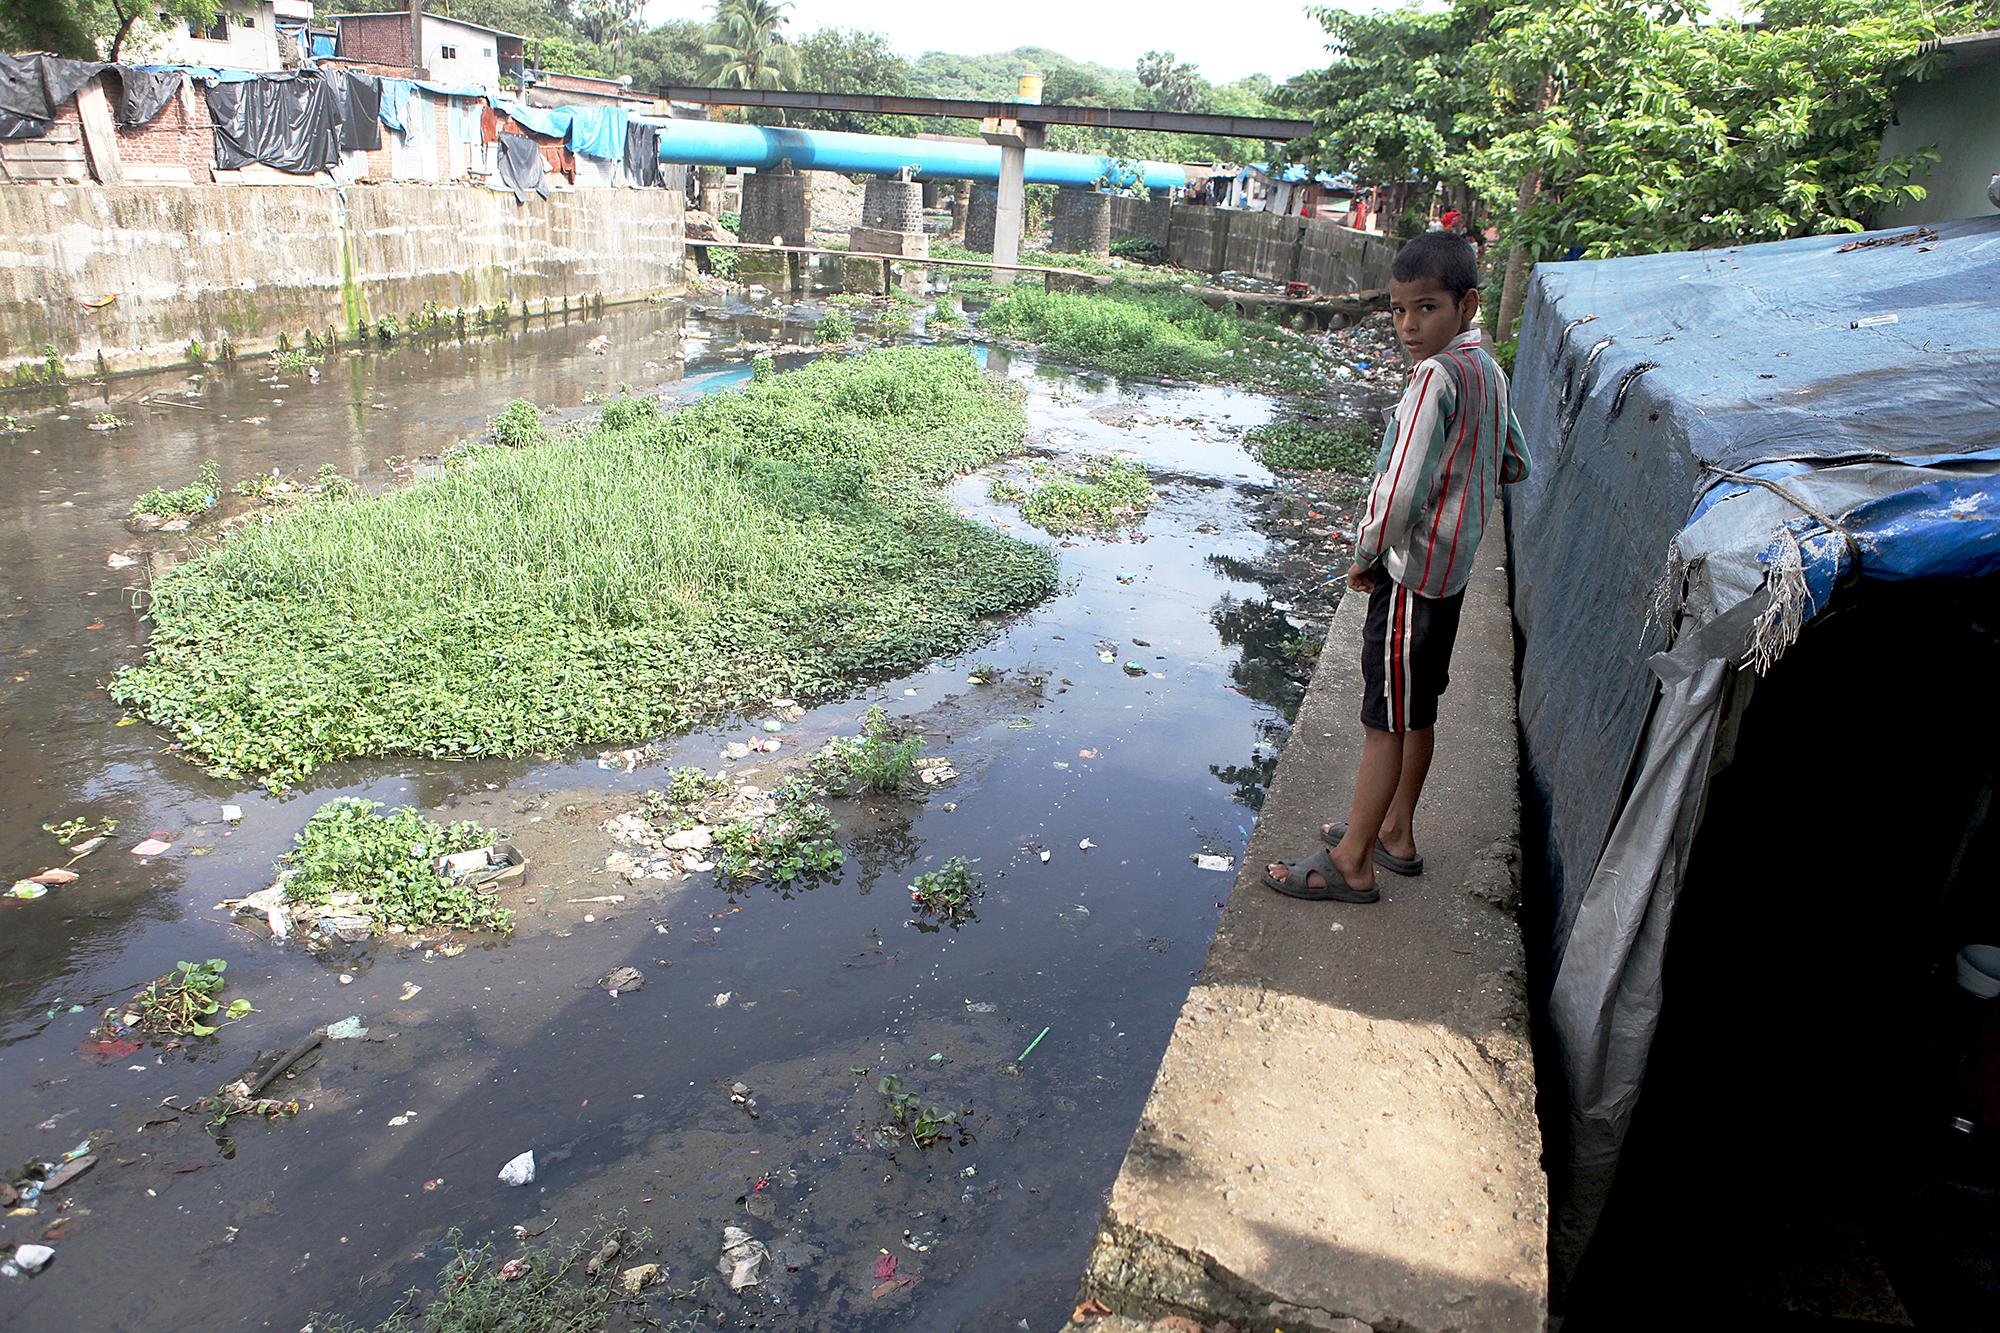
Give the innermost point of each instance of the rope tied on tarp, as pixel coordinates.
(1777, 626)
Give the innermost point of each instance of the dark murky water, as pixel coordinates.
(503, 1049)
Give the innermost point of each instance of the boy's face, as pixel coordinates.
(1428, 316)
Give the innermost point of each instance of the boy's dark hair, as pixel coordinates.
(1444, 256)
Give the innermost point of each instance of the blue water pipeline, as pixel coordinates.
(711, 143)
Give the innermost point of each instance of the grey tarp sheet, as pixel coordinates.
(33, 87)
(144, 93)
(287, 121)
(520, 164)
(642, 154)
(1866, 383)
(357, 108)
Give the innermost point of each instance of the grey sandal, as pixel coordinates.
(1385, 858)
(1335, 887)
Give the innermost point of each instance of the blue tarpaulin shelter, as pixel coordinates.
(1724, 443)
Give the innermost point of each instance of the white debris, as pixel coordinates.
(520, 1171)
(1208, 862)
(743, 1258)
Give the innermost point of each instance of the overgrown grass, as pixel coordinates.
(519, 423)
(1137, 330)
(1102, 494)
(197, 497)
(1296, 446)
(616, 583)
(387, 860)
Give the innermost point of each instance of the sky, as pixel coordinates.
(1273, 37)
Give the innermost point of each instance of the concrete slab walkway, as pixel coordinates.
(1342, 1135)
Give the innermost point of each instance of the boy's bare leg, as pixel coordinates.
(1374, 790)
(1399, 826)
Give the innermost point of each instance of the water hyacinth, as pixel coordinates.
(619, 583)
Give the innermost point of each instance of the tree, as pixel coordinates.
(1610, 127)
(836, 61)
(94, 29)
(746, 46)
(1071, 84)
(1175, 87)
(1400, 102)
(670, 53)
(607, 23)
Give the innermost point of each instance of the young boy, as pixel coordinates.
(1451, 444)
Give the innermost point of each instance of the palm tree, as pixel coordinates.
(745, 46)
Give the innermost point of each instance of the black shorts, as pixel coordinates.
(1405, 655)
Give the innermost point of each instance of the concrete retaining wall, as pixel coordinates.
(1329, 257)
(125, 277)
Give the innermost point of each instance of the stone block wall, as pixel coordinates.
(980, 212)
(1081, 223)
(777, 209)
(1322, 253)
(888, 205)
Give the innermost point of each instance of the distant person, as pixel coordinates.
(1451, 444)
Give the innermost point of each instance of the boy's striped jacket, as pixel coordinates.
(1452, 442)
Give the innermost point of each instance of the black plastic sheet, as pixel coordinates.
(357, 102)
(521, 170)
(642, 154)
(143, 93)
(33, 87)
(287, 121)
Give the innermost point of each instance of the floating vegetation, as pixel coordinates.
(1136, 330)
(572, 1288)
(176, 1004)
(1101, 494)
(197, 497)
(947, 894)
(1297, 446)
(384, 866)
(618, 583)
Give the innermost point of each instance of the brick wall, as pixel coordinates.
(180, 139)
(383, 38)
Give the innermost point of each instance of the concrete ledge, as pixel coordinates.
(1342, 1135)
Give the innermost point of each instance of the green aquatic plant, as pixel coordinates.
(175, 1004)
(187, 501)
(880, 759)
(551, 1288)
(1297, 446)
(387, 860)
(611, 584)
(834, 327)
(925, 1125)
(1101, 494)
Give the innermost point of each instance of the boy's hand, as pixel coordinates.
(1361, 577)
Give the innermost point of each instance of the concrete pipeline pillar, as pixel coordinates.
(1010, 209)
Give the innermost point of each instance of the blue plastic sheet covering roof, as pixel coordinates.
(1295, 173)
(1721, 441)
(594, 131)
(209, 74)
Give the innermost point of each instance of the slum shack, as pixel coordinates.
(1754, 577)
